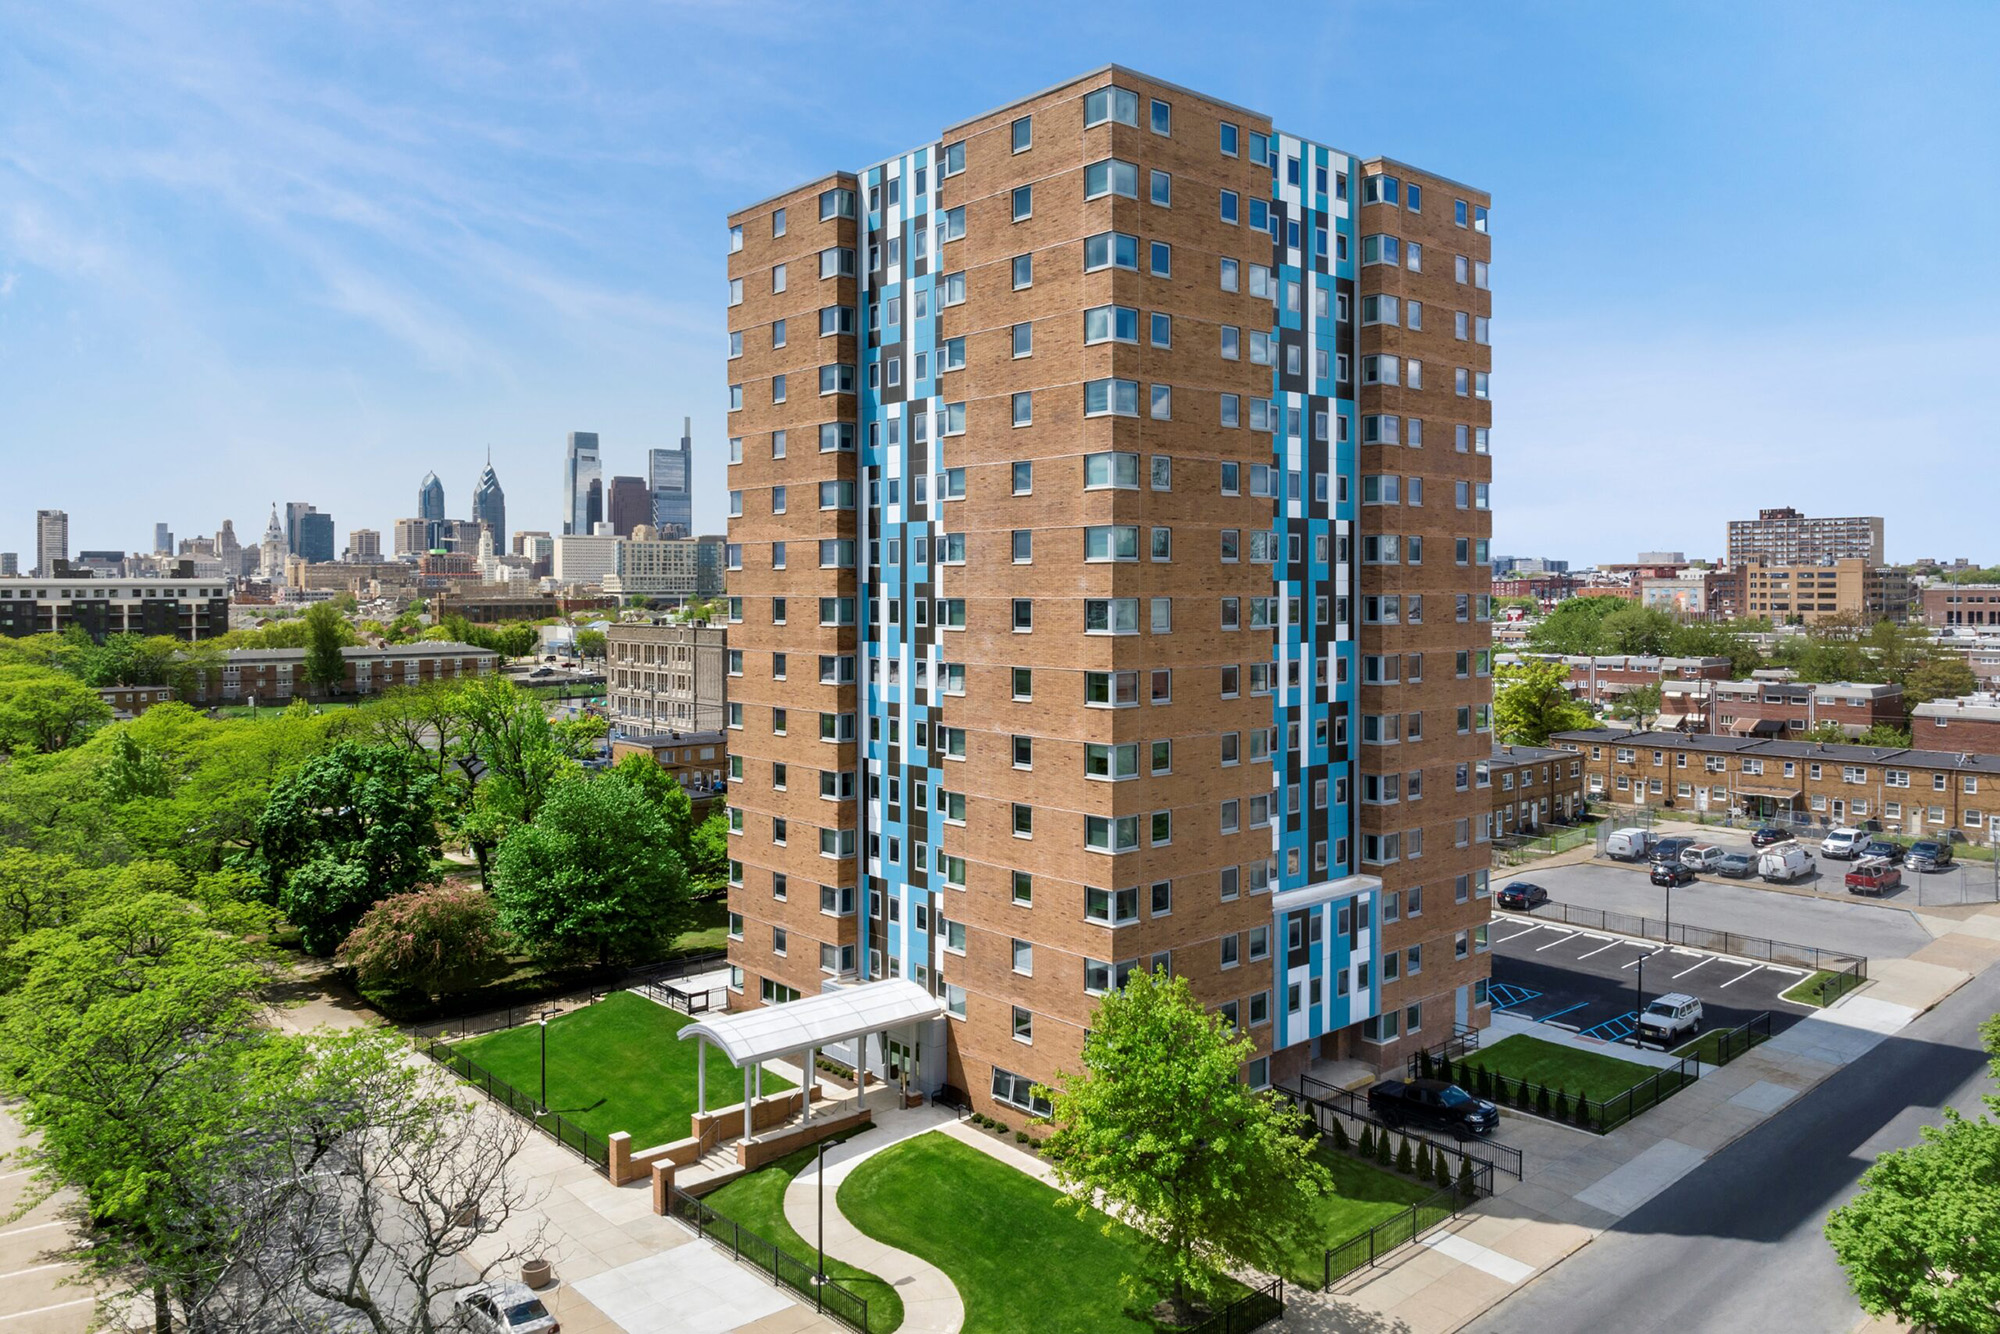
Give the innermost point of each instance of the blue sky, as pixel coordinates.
(307, 251)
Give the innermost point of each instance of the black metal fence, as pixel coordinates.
(1255, 1309)
(781, 1266)
(1757, 948)
(687, 1002)
(1320, 1100)
(591, 1148)
(1462, 1040)
(644, 979)
(1830, 984)
(1575, 1109)
(1366, 1248)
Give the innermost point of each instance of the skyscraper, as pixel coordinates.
(315, 537)
(489, 504)
(1146, 578)
(10, 564)
(593, 505)
(51, 541)
(364, 544)
(670, 474)
(430, 507)
(163, 539)
(631, 504)
(228, 549)
(581, 468)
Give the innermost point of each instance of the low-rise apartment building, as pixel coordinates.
(1906, 790)
(698, 759)
(666, 675)
(1603, 678)
(1533, 786)
(1960, 604)
(131, 701)
(1764, 707)
(278, 675)
(1971, 722)
(184, 607)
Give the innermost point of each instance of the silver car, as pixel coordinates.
(505, 1308)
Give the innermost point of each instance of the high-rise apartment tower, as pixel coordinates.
(1108, 570)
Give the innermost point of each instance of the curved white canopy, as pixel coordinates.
(751, 1036)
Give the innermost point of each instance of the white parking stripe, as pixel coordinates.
(1641, 958)
(1740, 976)
(1780, 968)
(1599, 950)
(1553, 943)
(1529, 931)
(59, 1306)
(1685, 971)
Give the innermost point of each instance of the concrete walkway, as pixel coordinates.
(931, 1303)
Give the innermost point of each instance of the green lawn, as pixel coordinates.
(1809, 990)
(1364, 1195)
(757, 1201)
(274, 708)
(616, 1065)
(709, 931)
(1709, 1046)
(1593, 1074)
(1024, 1263)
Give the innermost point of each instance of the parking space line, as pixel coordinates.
(1553, 943)
(1578, 1006)
(1780, 968)
(32, 1227)
(1608, 944)
(1529, 931)
(1758, 968)
(1647, 955)
(59, 1306)
(1685, 971)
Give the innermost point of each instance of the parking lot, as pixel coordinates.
(1592, 982)
(1963, 882)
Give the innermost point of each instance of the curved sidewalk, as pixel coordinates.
(931, 1303)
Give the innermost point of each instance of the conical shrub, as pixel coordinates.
(1405, 1161)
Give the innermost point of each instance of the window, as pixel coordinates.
(1111, 250)
(1024, 202)
(1162, 117)
(1230, 138)
(1024, 477)
(1113, 398)
(1024, 413)
(951, 224)
(1110, 324)
(1230, 206)
(1024, 271)
(1111, 103)
(1024, 134)
(836, 262)
(777, 277)
(1111, 176)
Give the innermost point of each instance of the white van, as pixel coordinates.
(1629, 845)
(1702, 858)
(1784, 863)
(1844, 843)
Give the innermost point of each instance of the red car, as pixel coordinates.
(1874, 876)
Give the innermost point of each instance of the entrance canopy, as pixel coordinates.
(772, 1031)
(1774, 791)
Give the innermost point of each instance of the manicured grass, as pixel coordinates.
(757, 1201)
(273, 709)
(1364, 1195)
(616, 1065)
(1022, 1260)
(1709, 1046)
(1590, 1073)
(710, 930)
(1816, 990)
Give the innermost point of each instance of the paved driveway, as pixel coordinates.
(33, 1299)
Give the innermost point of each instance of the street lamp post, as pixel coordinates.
(819, 1279)
(542, 1109)
(1638, 1000)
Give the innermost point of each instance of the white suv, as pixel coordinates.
(1844, 844)
(1671, 1019)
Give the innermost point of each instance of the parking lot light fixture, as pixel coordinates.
(1638, 1000)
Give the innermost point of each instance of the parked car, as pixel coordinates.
(1766, 835)
(1737, 865)
(1629, 845)
(1671, 1019)
(1843, 844)
(1928, 854)
(1671, 873)
(1702, 857)
(1432, 1102)
(505, 1308)
(1873, 875)
(1520, 894)
(1886, 848)
(1785, 863)
(1670, 849)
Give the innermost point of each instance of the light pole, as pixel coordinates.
(819, 1279)
(1638, 1000)
(542, 1108)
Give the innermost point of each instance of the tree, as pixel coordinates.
(436, 941)
(507, 730)
(1917, 1241)
(44, 710)
(1531, 702)
(658, 785)
(1826, 734)
(708, 852)
(592, 877)
(590, 643)
(1939, 676)
(1636, 629)
(326, 631)
(1160, 1130)
(1641, 704)
(1575, 625)
(1884, 734)
(351, 827)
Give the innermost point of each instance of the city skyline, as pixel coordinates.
(389, 265)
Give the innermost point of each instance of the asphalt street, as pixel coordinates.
(1736, 1244)
(1836, 924)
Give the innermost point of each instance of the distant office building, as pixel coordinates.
(364, 544)
(277, 675)
(10, 564)
(489, 505)
(584, 558)
(631, 505)
(163, 540)
(182, 606)
(228, 550)
(583, 473)
(666, 676)
(670, 473)
(1803, 594)
(1786, 537)
(1661, 558)
(294, 511)
(315, 538)
(100, 563)
(671, 567)
(593, 507)
(413, 536)
(539, 549)
(458, 536)
(51, 540)
(430, 508)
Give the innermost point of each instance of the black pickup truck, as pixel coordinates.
(1432, 1102)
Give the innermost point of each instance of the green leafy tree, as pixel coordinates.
(1885, 734)
(708, 852)
(590, 643)
(659, 786)
(1575, 625)
(1641, 704)
(327, 632)
(1159, 1129)
(1939, 676)
(351, 827)
(45, 710)
(1636, 629)
(1917, 1242)
(1531, 702)
(510, 734)
(592, 877)
(1829, 734)
(436, 941)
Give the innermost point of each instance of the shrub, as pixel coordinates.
(1020, 1137)
(998, 1125)
(1542, 1099)
(437, 941)
(1424, 1161)
(1562, 1106)
(1423, 1065)
(1404, 1161)
(1382, 1149)
(1367, 1141)
(1443, 1176)
(1465, 1185)
(1583, 1111)
(1340, 1140)
(1485, 1083)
